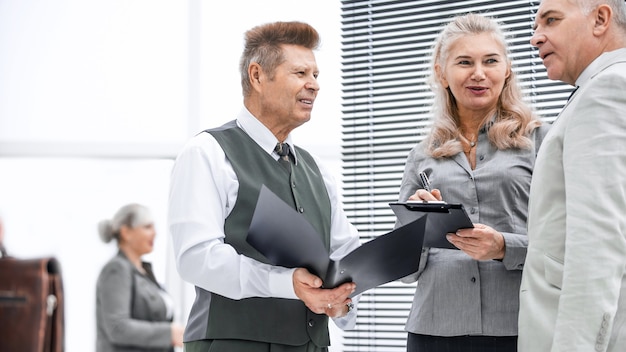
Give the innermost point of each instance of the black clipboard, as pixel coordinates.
(293, 242)
(441, 218)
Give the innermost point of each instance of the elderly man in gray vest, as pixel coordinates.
(244, 304)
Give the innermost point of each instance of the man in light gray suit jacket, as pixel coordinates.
(573, 292)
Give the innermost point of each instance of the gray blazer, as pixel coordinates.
(457, 295)
(573, 293)
(130, 311)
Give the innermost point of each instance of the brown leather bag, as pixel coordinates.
(31, 305)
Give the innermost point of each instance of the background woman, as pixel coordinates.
(133, 311)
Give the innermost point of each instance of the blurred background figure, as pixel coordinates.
(133, 312)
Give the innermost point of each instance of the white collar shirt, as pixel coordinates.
(203, 191)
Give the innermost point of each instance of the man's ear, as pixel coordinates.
(602, 20)
(255, 72)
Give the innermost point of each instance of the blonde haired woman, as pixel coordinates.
(480, 152)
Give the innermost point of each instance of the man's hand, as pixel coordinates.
(332, 302)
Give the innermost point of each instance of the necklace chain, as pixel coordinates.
(470, 142)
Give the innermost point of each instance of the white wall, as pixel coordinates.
(96, 98)
(52, 206)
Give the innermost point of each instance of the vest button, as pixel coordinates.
(311, 323)
(301, 210)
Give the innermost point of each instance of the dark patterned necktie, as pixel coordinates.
(282, 149)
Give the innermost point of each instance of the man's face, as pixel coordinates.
(562, 33)
(289, 95)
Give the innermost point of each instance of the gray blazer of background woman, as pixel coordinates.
(133, 312)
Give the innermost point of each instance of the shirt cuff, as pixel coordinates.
(348, 322)
(515, 251)
(281, 283)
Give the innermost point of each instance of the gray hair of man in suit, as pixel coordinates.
(617, 6)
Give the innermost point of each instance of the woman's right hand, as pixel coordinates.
(422, 194)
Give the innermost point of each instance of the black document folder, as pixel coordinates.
(287, 239)
(441, 218)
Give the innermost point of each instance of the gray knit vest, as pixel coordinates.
(272, 320)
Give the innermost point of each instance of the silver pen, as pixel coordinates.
(425, 181)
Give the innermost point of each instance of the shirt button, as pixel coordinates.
(311, 323)
(293, 185)
(301, 210)
(473, 280)
(482, 157)
(473, 210)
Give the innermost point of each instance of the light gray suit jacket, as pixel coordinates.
(131, 314)
(573, 292)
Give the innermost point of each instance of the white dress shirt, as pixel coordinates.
(203, 192)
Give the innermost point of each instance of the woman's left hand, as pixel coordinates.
(481, 242)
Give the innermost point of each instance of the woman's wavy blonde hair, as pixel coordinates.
(514, 119)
